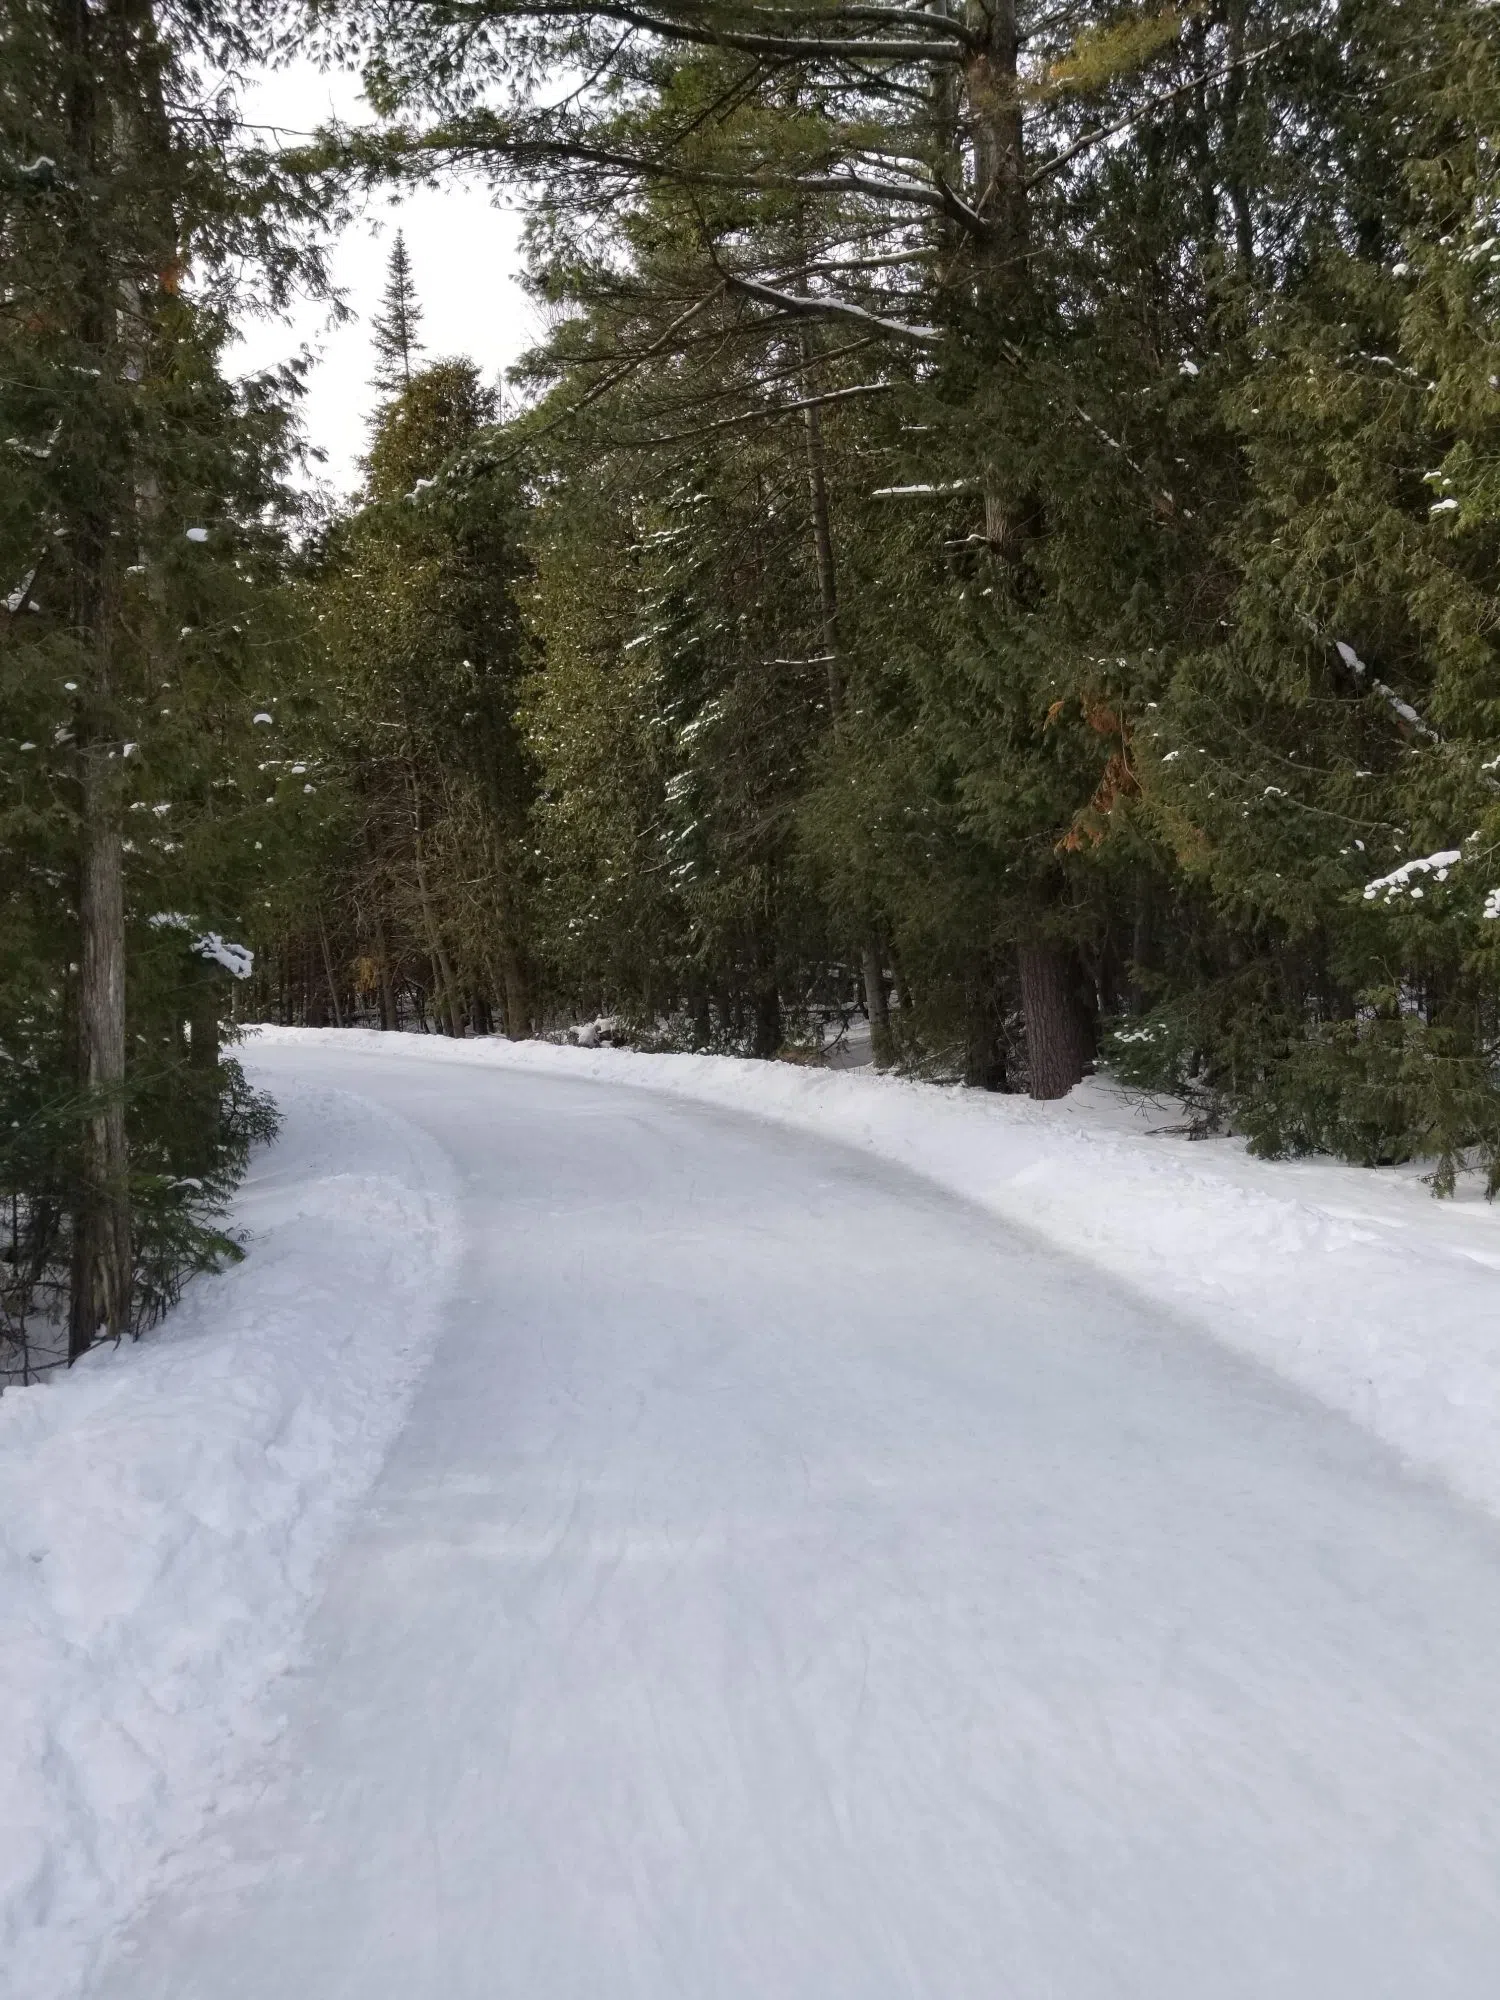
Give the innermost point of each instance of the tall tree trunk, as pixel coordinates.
(1231, 102)
(877, 1006)
(203, 1021)
(768, 1025)
(984, 1027)
(102, 1273)
(447, 1001)
(996, 126)
(997, 133)
(519, 1022)
(1059, 1026)
(333, 985)
(390, 1019)
(828, 596)
(703, 1026)
(102, 1266)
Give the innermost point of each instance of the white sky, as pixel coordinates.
(465, 259)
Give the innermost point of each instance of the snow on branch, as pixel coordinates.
(1402, 709)
(1400, 880)
(238, 960)
(925, 492)
(814, 308)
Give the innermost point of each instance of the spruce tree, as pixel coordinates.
(394, 329)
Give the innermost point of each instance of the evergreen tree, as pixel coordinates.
(1012, 519)
(394, 329)
(139, 526)
(414, 896)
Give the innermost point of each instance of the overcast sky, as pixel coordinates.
(465, 256)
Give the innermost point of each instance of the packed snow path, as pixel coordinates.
(790, 1585)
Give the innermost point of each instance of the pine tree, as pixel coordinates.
(138, 529)
(1017, 511)
(418, 884)
(394, 329)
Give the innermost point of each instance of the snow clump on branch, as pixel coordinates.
(1401, 879)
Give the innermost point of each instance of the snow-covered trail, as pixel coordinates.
(790, 1585)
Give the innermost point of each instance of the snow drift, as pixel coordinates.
(165, 1508)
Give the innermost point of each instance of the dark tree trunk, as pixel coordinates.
(703, 1027)
(768, 1032)
(877, 1006)
(1059, 1023)
(984, 1038)
(519, 1018)
(102, 1264)
(333, 985)
(314, 990)
(997, 133)
(445, 1000)
(390, 1018)
(203, 1022)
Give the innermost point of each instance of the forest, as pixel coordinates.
(998, 550)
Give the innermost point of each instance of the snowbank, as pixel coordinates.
(164, 1511)
(1357, 1286)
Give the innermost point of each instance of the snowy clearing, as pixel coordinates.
(165, 1511)
(1357, 1286)
(789, 1581)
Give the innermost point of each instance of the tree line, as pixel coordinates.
(997, 543)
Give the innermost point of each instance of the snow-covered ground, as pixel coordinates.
(790, 1581)
(1357, 1286)
(784, 1580)
(166, 1510)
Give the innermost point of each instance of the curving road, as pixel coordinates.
(792, 1586)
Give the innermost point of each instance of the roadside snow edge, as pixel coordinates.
(165, 1511)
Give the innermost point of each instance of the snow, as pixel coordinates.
(238, 960)
(789, 1581)
(1389, 887)
(786, 1578)
(166, 1509)
(1355, 1285)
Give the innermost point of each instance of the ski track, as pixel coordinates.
(791, 1583)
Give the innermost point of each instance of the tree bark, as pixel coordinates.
(447, 1004)
(984, 1034)
(519, 1022)
(106, 123)
(768, 1027)
(103, 1270)
(1059, 1025)
(333, 987)
(997, 133)
(877, 1006)
(102, 1266)
(390, 1018)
